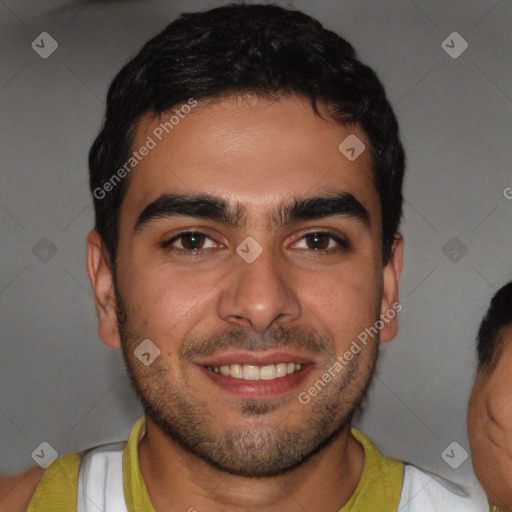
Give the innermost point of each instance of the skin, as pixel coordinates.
(16, 491)
(258, 154)
(490, 427)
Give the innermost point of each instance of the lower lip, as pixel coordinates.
(259, 388)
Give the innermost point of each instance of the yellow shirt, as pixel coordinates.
(378, 490)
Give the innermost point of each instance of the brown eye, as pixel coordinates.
(192, 240)
(323, 241)
(189, 241)
(318, 240)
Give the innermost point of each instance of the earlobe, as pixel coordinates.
(100, 275)
(390, 305)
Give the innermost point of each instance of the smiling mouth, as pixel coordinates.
(258, 381)
(256, 374)
(253, 372)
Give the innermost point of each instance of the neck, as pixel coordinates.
(177, 480)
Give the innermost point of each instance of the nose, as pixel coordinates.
(258, 294)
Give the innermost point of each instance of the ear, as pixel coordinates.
(100, 275)
(390, 305)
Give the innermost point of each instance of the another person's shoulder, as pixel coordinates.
(424, 491)
(16, 491)
(39, 489)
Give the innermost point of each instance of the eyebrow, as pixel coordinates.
(207, 207)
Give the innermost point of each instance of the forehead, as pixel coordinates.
(250, 150)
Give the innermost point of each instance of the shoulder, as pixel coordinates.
(16, 491)
(38, 489)
(427, 492)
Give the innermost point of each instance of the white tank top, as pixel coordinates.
(100, 479)
(100, 487)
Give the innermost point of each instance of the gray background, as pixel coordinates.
(60, 384)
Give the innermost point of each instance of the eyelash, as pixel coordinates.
(343, 245)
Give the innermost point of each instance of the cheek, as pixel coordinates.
(494, 472)
(160, 299)
(345, 300)
(492, 465)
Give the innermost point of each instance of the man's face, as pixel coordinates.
(223, 318)
(490, 427)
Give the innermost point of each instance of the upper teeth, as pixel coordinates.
(250, 372)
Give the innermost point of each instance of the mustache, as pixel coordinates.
(278, 337)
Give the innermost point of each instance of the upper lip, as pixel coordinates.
(260, 358)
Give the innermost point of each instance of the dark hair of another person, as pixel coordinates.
(498, 316)
(264, 50)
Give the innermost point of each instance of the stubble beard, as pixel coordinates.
(262, 446)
